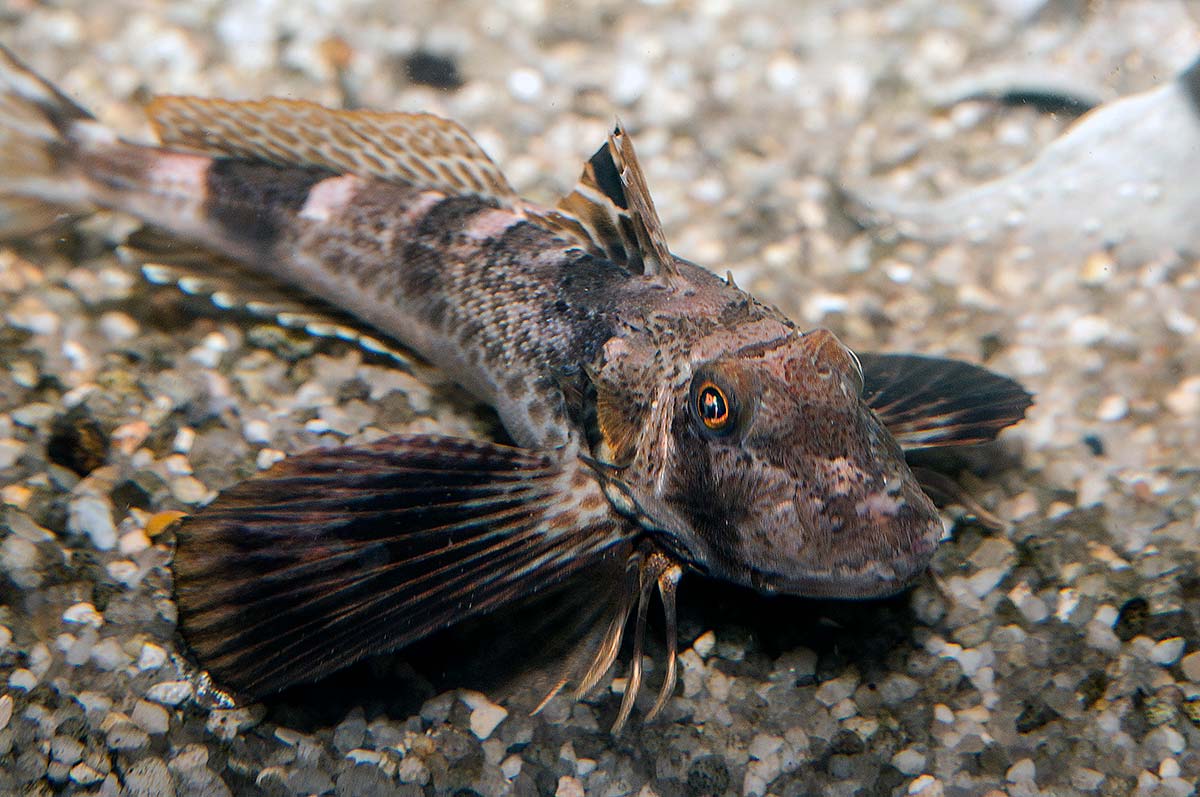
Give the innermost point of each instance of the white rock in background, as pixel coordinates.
(92, 515)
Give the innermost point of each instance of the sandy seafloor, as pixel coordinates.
(1059, 656)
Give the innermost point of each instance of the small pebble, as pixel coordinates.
(108, 655)
(151, 718)
(1022, 771)
(569, 787)
(23, 679)
(92, 515)
(152, 656)
(84, 613)
(170, 693)
(485, 715)
(1190, 665)
(525, 85)
(85, 775)
(704, 644)
(1168, 651)
(149, 777)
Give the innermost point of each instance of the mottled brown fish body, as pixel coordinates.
(664, 419)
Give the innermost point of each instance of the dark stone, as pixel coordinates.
(1131, 620)
(130, 494)
(1092, 687)
(847, 743)
(433, 69)
(77, 442)
(356, 388)
(708, 775)
(886, 782)
(1035, 715)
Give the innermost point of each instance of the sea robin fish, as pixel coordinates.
(663, 419)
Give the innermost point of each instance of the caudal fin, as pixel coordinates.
(38, 127)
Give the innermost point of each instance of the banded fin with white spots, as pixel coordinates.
(233, 288)
(929, 402)
(338, 554)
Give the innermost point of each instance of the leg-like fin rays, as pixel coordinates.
(668, 583)
(646, 569)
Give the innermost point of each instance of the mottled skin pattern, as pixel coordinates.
(810, 495)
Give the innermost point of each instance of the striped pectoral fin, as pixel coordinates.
(334, 555)
(930, 402)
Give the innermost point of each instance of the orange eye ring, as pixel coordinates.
(712, 406)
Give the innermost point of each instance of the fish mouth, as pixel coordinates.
(874, 579)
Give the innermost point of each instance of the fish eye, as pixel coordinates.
(713, 407)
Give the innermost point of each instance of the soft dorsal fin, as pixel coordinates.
(415, 149)
(612, 203)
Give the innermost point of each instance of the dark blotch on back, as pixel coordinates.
(446, 220)
(256, 201)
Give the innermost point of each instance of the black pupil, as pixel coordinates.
(712, 405)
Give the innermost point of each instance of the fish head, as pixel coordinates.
(773, 473)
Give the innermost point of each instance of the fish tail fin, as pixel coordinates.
(40, 131)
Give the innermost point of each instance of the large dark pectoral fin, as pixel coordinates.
(927, 402)
(335, 555)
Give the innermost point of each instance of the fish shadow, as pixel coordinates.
(518, 651)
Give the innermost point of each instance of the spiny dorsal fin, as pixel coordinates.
(415, 149)
(612, 204)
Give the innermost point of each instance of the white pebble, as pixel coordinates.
(85, 775)
(256, 431)
(909, 761)
(525, 84)
(927, 786)
(704, 644)
(152, 657)
(170, 693)
(22, 679)
(1023, 771)
(268, 457)
(1168, 651)
(510, 767)
(185, 438)
(133, 542)
(1112, 408)
(6, 710)
(763, 745)
(485, 715)
(1185, 398)
(83, 613)
(108, 655)
(92, 515)
(151, 718)
(118, 327)
(569, 787)
(1088, 330)
(188, 489)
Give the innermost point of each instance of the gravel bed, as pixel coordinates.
(1058, 656)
